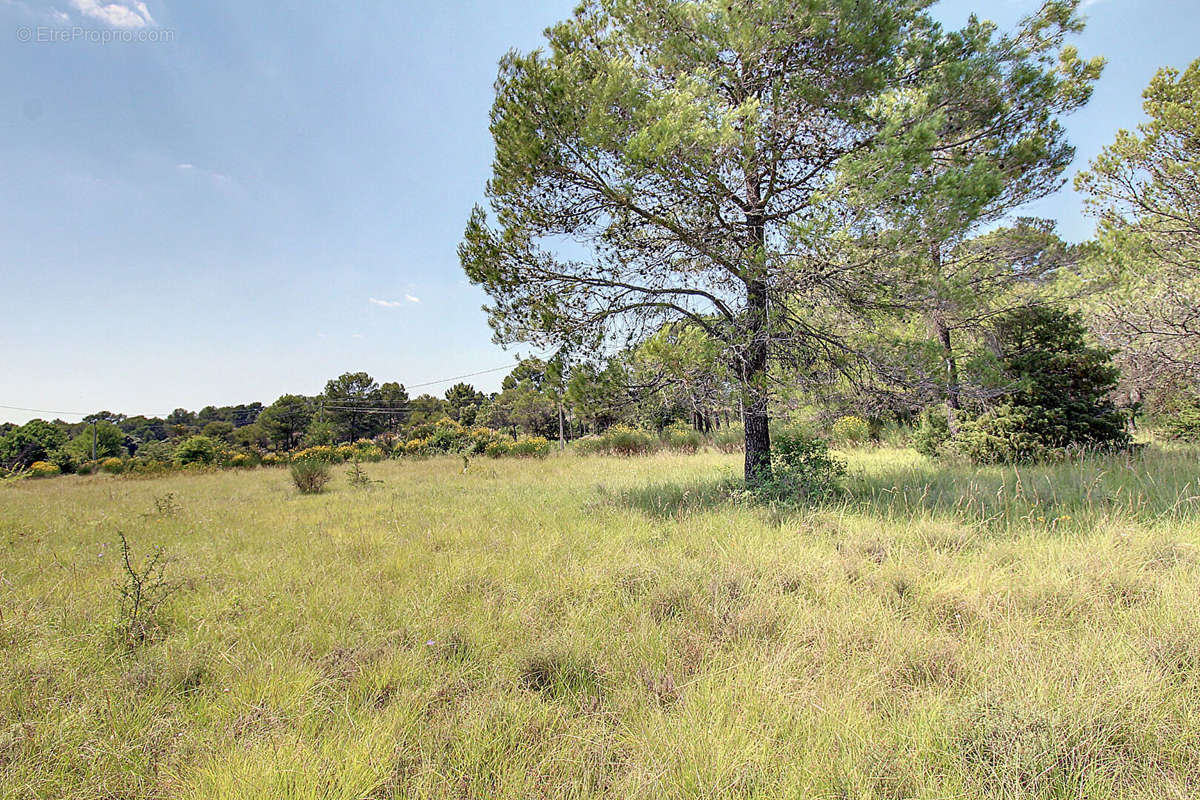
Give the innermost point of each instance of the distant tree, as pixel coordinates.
(219, 431)
(531, 371)
(1145, 190)
(596, 394)
(33, 441)
(426, 408)
(285, 421)
(464, 401)
(350, 403)
(145, 429)
(109, 442)
(394, 397)
(253, 435)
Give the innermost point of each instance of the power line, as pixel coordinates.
(46, 411)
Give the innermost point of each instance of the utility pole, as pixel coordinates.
(93, 440)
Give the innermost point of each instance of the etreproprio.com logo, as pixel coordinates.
(45, 34)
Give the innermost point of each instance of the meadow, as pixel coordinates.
(598, 627)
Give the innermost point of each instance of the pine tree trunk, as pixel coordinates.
(953, 402)
(754, 388)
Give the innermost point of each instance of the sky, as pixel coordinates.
(222, 202)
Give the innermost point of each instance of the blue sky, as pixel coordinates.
(252, 197)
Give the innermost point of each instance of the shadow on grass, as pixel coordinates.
(1157, 486)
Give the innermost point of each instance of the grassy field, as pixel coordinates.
(596, 627)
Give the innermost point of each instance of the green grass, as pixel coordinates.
(599, 627)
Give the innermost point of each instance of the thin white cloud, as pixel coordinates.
(184, 166)
(375, 301)
(357, 336)
(122, 14)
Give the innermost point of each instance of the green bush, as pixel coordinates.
(196, 450)
(851, 430)
(682, 437)
(241, 461)
(802, 470)
(1183, 425)
(310, 475)
(113, 466)
(932, 432)
(156, 451)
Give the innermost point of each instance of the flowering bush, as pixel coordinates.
(241, 460)
(322, 453)
(497, 448)
(530, 447)
(43, 469)
(113, 466)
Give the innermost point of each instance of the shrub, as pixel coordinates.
(310, 475)
(448, 436)
(366, 450)
(1183, 424)
(43, 469)
(683, 438)
(156, 451)
(414, 447)
(142, 592)
(590, 445)
(802, 469)
(323, 453)
(619, 440)
(273, 459)
(851, 430)
(144, 466)
(530, 447)
(64, 459)
(932, 432)
(113, 466)
(196, 450)
(241, 460)
(497, 448)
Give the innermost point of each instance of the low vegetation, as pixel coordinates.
(608, 627)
